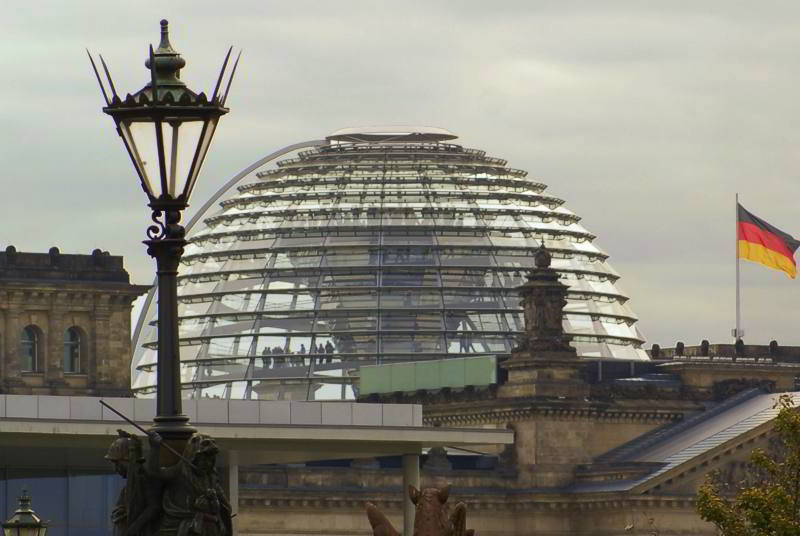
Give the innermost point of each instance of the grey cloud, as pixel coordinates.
(645, 117)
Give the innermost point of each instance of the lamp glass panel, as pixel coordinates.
(180, 143)
(145, 173)
(202, 145)
(145, 149)
(9, 531)
(28, 531)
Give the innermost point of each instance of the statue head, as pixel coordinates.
(202, 450)
(119, 454)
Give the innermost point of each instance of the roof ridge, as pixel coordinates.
(665, 432)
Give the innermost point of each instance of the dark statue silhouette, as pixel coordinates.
(184, 499)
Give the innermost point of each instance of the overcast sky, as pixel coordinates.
(646, 117)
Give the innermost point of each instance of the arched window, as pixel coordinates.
(72, 350)
(29, 349)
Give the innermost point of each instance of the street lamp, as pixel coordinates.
(167, 130)
(24, 522)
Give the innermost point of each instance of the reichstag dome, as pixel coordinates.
(375, 245)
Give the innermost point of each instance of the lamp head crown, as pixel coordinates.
(24, 519)
(168, 62)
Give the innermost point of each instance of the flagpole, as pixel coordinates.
(737, 333)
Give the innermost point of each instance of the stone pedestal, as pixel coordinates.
(545, 374)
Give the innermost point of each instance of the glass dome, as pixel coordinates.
(376, 247)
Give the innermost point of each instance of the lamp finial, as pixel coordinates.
(164, 45)
(24, 500)
(168, 64)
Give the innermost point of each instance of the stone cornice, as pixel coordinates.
(87, 287)
(481, 406)
(765, 365)
(503, 411)
(68, 296)
(487, 499)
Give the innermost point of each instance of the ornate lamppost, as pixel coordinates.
(167, 130)
(24, 522)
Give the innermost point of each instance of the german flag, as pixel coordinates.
(762, 243)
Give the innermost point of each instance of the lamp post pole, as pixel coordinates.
(167, 130)
(167, 250)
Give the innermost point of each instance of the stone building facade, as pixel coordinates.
(594, 454)
(65, 323)
(600, 448)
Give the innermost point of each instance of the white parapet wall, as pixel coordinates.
(214, 411)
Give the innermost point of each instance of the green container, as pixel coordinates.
(480, 371)
(452, 373)
(402, 377)
(455, 373)
(427, 374)
(374, 379)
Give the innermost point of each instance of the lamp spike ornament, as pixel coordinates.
(97, 75)
(167, 130)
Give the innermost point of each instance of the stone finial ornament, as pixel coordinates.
(542, 258)
(544, 364)
(543, 301)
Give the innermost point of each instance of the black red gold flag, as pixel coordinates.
(760, 242)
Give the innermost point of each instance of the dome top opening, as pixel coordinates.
(391, 134)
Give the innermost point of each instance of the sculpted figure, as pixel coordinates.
(553, 314)
(137, 506)
(432, 516)
(193, 500)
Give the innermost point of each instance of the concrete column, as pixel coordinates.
(410, 478)
(232, 481)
